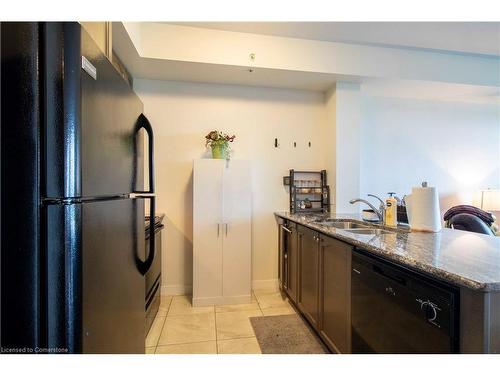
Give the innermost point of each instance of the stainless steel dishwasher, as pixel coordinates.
(396, 310)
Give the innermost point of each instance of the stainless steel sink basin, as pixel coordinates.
(370, 231)
(342, 224)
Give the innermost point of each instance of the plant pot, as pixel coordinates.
(219, 151)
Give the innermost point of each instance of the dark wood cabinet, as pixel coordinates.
(315, 273)
(308, 298)
(318, 283)
(335, 293)
(292, 262)
(288, 260)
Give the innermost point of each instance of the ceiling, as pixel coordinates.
(177, 70)
(460, 37)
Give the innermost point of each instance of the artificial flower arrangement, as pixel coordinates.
(219, 142)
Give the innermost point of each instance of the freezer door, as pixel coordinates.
(93, 251)
(91, 148)
(110, 112)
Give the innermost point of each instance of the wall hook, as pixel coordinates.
(252, 60)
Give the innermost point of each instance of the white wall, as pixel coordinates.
(331, 140)
(183, 113)
(347, 146)
(342, 114)
(452, 145)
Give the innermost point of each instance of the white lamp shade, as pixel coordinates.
(490, 200)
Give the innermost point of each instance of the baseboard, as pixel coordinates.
(266, 284)
(176, 290)
(180, 289)
(221, 300)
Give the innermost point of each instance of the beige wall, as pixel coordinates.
(183, 113)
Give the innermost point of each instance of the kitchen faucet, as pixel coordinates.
(380, 211)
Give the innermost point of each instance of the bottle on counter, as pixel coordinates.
(391, 211)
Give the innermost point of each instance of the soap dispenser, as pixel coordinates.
(391, 211)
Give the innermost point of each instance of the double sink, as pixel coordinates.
(353, 227)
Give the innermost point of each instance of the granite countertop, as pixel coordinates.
(462, 258)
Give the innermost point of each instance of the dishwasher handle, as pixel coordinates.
(388, 275)
(360, 262)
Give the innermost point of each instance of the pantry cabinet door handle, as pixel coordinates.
(218, 229)
(226, 229)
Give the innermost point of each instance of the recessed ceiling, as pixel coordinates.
(195, 71)
(462, 37)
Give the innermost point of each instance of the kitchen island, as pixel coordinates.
(469, 263)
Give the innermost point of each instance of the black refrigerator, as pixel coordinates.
(72, 196)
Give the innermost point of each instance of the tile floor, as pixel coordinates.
(180, 328)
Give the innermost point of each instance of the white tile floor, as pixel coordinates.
(180, 328)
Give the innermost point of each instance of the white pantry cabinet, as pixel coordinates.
(222, 242)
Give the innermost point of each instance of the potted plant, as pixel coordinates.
(219, 142)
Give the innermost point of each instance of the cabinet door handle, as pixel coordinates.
(218, 229)
(226, 229)
(286, 229)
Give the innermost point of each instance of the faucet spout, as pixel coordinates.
(377, 211)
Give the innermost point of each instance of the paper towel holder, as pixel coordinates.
(429, 212)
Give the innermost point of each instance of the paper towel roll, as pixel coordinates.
(425, 214)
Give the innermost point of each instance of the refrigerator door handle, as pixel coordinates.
(144, 266)
(143, 123)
